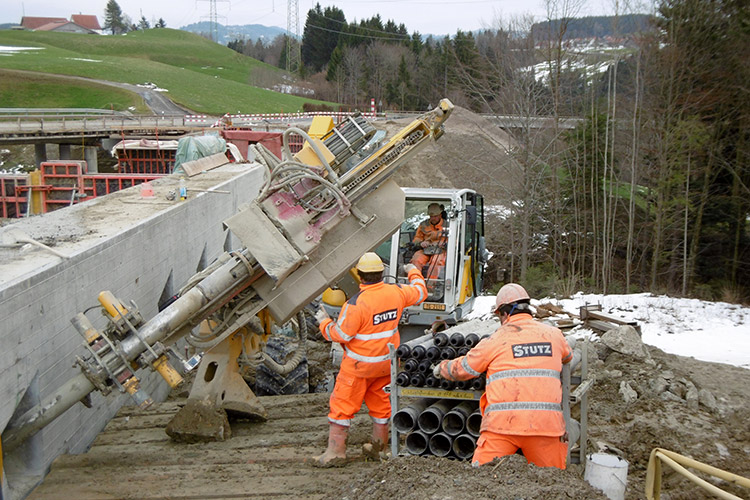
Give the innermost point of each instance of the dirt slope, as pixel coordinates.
(471, 154)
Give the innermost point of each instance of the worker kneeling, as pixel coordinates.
(368, 322)
(521, 407)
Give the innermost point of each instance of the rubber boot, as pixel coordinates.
(335, 454)
(376, 449)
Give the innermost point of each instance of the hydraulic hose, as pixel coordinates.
(299, 353)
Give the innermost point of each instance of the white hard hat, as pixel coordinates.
(510, 293)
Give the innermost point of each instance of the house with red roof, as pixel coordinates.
(79, 23)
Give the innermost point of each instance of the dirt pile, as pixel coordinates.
(472, 154)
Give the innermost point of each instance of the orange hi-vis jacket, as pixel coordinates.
(428, 232)
(523, 360)
(368, 322)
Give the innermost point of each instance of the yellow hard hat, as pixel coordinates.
(370, 263)
(334, 297)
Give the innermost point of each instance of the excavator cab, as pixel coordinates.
(449, 250)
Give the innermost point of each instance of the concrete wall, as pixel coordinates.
(126, 245)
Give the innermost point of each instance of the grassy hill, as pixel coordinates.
(198, 74)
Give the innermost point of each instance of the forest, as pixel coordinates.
(651, 192)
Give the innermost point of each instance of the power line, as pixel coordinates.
(407, 37)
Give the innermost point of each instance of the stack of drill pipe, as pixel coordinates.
(438, 428)
(419, 356)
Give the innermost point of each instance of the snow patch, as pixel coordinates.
(708, 331)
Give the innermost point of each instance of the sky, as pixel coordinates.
(437, 17)
(708, 331)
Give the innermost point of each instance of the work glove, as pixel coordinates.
(409, 267)
(424, 244)
(436, 371)
(321, 315)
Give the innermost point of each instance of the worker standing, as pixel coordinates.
(521, 407)
(367, 323)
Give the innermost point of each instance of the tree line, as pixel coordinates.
(650, 192)
(118, 23)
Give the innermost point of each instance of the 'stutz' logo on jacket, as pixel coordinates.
(385, 316)
(532, 349)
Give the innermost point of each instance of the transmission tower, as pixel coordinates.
(213, 19)
(293, 59)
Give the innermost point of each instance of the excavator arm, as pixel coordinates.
(310, 222)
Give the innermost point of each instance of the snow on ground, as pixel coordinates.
(83, 59)
(6, 50)
(708, 331)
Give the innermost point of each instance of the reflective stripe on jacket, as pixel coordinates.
(368, 322)
(523, 360)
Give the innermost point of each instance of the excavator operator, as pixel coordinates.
(431, 239)
(368, 322)
(521, 407)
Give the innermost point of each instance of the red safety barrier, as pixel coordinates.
(95, 185)
(134, 160)
(13, 197)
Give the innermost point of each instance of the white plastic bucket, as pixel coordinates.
(608, 473)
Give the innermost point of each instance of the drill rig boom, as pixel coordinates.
(305, 229)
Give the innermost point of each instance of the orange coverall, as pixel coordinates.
(368, 322)
(521, 406)
(434, 235)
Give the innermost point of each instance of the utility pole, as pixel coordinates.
(293, 58)
(212, 19)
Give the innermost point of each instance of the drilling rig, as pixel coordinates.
(311, 221)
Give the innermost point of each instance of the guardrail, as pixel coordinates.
(61, 111)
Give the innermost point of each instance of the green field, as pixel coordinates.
(198, 74)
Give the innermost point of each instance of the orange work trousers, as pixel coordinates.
(542, 451)
(349, 393)
(437, 262)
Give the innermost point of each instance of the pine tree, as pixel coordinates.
(113, 19)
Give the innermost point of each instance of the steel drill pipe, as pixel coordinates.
(474, 423)
(405, 349)
(463, 351)
(417, 379)
(410, 365)
(456, 340)
(447, 385)
(463, 384)
(417, 442)
(433, 353)
(478, 383)
(425, 366)
(471, 340)
(432, 381)
(402, 379)
(405, 420)
(454, 422)
(441, 339)
(464, 446)
(431, 418)
(441, 444)
(447, 353)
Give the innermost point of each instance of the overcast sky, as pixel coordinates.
(438, 17)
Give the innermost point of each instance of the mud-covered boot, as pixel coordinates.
(335, 454)
(376, 449)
